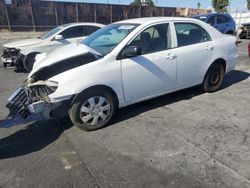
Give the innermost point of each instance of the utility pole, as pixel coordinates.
(229, 6)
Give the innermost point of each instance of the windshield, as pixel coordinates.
(50, 33)
(106, 39)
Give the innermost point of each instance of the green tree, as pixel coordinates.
(198, 5)
(143, 2)
(248, 4)
(220, 5)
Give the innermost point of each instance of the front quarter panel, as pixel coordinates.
(105, 71)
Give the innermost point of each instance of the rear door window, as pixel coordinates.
(190, 33)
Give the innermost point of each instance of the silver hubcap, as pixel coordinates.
(95, 110)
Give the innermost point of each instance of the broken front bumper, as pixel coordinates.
(20, 102)
(9, 56)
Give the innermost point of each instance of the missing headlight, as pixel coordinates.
(42, 89)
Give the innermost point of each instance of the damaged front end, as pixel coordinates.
(9, 56)
(40, 93)
(33, 98)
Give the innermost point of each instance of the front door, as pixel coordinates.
(154, 71)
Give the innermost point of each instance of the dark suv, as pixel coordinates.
(222, 22)
(245, 31)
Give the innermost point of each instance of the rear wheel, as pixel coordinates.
(92, 109)
(28, 61)
(214, 78)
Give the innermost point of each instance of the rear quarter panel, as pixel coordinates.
(225, 48)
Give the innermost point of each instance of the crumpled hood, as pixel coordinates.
(61, 55)
(23, 43)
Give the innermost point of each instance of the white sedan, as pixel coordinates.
(21, 53)
(124, 63)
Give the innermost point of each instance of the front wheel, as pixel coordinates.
(213, 78)
(92, 110)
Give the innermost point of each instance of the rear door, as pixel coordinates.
(195, 50)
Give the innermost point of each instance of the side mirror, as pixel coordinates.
(132, 51)
(58, 37)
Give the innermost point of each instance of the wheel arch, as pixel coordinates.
(220, 61)
(99, 87)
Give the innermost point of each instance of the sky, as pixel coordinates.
(239, 5)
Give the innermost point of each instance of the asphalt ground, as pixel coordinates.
(182, 140)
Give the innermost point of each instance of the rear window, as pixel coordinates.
(222, 19)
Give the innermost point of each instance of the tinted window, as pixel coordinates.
(90, 29)
(227, 19)
(153, 39)
(189, 33)
(222, 19)
(50, 33)
(72, 32)
(211, 20)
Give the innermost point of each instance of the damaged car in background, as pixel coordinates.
(124, 63)
(21, 54)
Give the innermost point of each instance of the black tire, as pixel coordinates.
(75, 110)
(18, 68)
(4, 65)
(213, 78)
(28, 61)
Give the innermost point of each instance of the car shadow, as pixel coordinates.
(33, 137)
(37, 135)
(232, 78)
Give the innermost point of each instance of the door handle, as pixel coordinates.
(171, 56)
(209, 47)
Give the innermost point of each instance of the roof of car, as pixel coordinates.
(81, 23)
(153, 19)
(209, 14)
